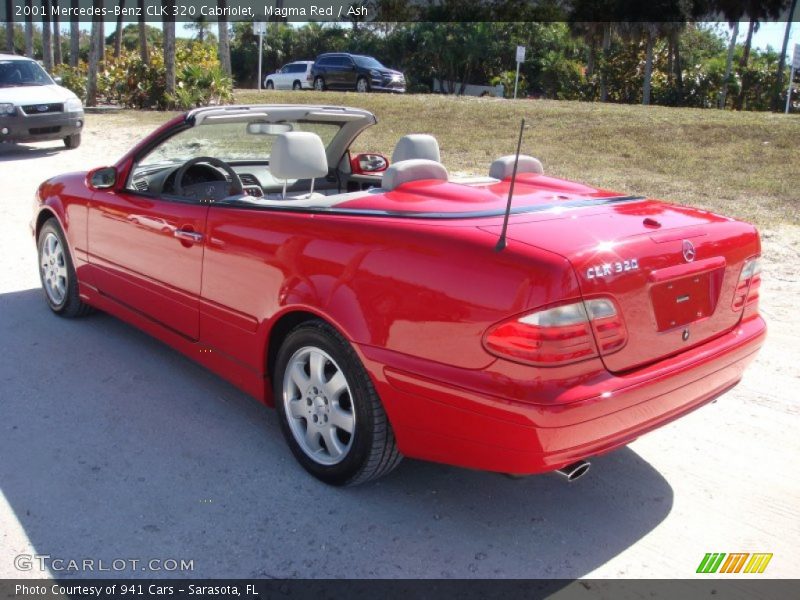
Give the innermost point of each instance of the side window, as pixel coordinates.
(284, 69)
(298, 68)
(324, 62)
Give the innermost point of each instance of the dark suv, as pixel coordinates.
(342, 71)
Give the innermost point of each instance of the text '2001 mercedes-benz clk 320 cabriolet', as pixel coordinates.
(374, 306)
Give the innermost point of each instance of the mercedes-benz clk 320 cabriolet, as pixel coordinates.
(374, 306)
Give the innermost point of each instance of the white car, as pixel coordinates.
(292, 76)
(33, 107)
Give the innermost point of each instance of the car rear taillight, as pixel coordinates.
(560, 334)
(747, 289)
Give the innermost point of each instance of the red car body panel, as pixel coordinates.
(411, 278)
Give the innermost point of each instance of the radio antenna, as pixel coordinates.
(501, 243)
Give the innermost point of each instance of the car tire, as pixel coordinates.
(270, 85)
(72, 141)
(362, 85)
(297, 86)
(319, 84)
(321, 389)
(57, 273)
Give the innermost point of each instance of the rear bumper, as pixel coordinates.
(40, 128)
(444, 423)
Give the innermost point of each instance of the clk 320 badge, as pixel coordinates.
(607, 269)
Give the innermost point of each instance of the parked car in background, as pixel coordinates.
(343, 71)
(33, 107)
(292, 76)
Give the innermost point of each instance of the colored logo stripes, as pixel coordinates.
(737, 562)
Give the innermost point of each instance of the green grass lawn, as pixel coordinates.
(740, 164)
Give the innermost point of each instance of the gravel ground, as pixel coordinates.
(112, 446)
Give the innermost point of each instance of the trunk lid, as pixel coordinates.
(671, 270)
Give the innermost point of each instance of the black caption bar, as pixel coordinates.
(404, 589)
(369, 10)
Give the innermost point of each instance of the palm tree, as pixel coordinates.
(757, 11)
(47, 40)
(118, 36)
(29, 29)
(651, 32)
(10, 25)
(728, 64)
(169, 49)
(782, 61)
(224, 39)
(95, 41)
(143, 53)
(74, 38)
(57, 57)
(201, 26)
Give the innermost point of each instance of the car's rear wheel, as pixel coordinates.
(72, 141)
(319, 84)
(362, 85)
(297, 86)
(270, 85)
(329, 411)
(57, 273)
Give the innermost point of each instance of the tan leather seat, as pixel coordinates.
(416, 145)
(298, 155)
(503, 167)
(414, 169)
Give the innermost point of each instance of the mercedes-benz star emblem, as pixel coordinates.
(688, 251)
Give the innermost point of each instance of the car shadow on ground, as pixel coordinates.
(115, 447)
(14, 152)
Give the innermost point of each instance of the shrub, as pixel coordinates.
(73, 78)
(199, 79)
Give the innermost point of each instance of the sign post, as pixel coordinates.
(259, 28)
(520, 60)
(795, 67)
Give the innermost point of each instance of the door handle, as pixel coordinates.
(189, 236)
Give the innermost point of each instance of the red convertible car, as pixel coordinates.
(374, 306)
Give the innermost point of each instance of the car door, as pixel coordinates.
(147, 254)
(348, 72)
(282, 78)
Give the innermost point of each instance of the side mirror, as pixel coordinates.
(368, 164)
(102, 178)
(58, 80)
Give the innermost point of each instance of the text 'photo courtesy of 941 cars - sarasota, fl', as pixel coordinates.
(513, 322)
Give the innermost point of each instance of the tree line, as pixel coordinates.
(673, 59)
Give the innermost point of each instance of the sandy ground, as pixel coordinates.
(112, 446)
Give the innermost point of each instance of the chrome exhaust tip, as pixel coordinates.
(574, 471)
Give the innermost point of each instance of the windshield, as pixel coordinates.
(231, 141)
(22, 72)
(368, 62)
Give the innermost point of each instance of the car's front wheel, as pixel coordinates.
(362, 85)
(270, 85)
(329, 411)
(72, 141)
(57, 273)
(319, 84)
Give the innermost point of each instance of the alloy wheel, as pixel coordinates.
(53, 267)
(319, 405)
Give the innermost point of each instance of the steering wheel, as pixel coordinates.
(236, 187)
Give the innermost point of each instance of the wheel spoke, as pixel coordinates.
(335, 386)
(312, 439)
(297, 408)
(332, 443)
(341, 419)
(317, 368)
(299, 378)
